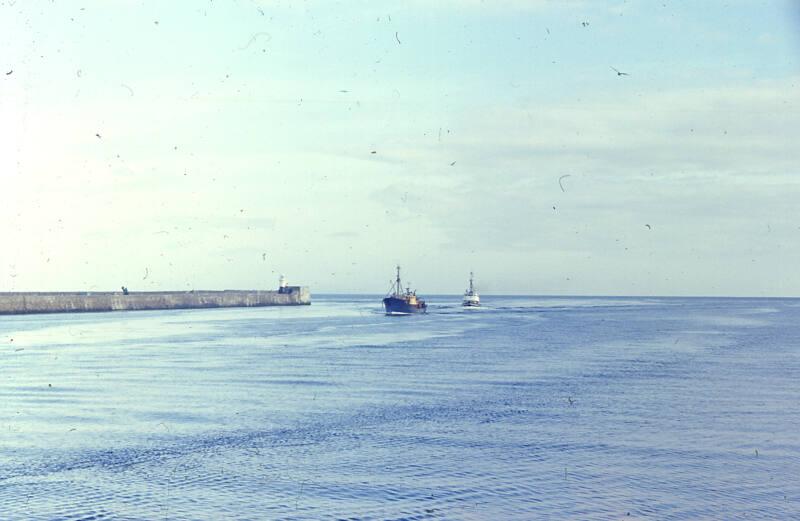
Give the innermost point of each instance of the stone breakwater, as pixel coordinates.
(20, 303)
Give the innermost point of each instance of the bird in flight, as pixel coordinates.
(620, 73)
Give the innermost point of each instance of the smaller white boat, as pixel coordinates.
(471, 298)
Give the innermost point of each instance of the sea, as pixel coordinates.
(527, 408)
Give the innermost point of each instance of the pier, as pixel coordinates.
(21, 303)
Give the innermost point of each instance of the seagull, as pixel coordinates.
(620, 73)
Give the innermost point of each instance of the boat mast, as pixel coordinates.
(399, 287)
(470, 283)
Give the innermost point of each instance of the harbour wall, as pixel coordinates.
(20, 303)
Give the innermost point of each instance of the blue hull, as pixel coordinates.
(398, 306)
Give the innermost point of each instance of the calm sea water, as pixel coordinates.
(529, 408)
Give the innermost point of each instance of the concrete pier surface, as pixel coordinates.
(20, 303)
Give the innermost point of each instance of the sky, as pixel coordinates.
(552, 147)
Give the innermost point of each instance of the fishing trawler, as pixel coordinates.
(400, 302)
(471, 297)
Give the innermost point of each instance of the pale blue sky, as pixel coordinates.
(237, 138)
